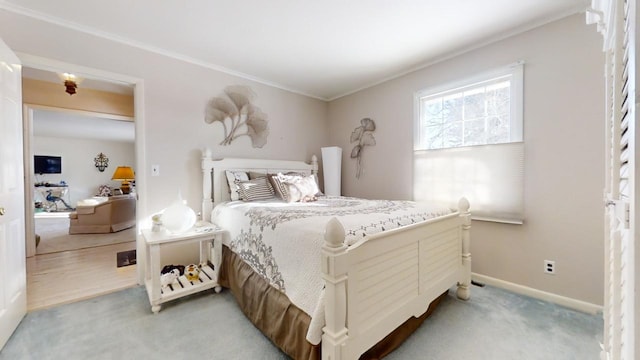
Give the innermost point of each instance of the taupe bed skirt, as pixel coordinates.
(284, 323)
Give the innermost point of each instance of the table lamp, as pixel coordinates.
(124, 174)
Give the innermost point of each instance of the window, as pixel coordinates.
(468, 142)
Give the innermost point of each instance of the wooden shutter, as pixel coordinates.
(618, 28)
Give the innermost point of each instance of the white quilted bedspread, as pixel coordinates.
(283, 241)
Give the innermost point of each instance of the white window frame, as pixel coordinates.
(498, 201)
(516, 116)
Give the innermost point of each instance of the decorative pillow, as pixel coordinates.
(281, 189)
(104, 190)
(232, 177)
(256, 175)
(256, 189)
(299, 188)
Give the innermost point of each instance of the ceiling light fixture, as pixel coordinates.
(70, 82)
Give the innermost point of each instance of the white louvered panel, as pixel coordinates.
(381, 292)
(616, 293)
(625, 123)
(623, 187)
(624, 171)
(623, 138)
(619, 34)
(369, 287)
(624, 95)
(435, 270)
(445, 252)
(438, 242)
(375, 263)
(395, 298)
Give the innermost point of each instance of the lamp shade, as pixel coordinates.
(123, 173)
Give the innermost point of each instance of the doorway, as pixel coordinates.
(84, 271)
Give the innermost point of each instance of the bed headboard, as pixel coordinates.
(214, 180)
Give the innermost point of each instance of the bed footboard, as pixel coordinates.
(373, 286)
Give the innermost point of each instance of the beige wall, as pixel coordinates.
(564, 157)
(78, 167)
(46, 93)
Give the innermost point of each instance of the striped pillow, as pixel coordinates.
(281, 189)
(256, 189)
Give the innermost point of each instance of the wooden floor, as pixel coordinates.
(64, 277)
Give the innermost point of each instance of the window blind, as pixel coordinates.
(491, 177)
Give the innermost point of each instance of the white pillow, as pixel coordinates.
(301, 188)
(232, 177)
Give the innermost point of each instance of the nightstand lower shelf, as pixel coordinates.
(182, 287)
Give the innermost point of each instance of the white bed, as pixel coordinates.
(434, 255)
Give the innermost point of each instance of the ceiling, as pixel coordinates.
(324, 49)
(69, 125)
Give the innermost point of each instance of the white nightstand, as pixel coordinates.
(210, 238)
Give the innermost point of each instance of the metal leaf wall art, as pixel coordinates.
(238, 116)
(363, 136)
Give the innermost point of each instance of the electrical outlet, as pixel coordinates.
(155, 170)
(550, 267)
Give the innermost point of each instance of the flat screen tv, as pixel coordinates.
(47, 164)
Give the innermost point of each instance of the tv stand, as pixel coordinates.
(53, 197)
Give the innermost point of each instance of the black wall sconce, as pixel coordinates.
(102, 161)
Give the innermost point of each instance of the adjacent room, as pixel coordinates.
(81, 220)
(333, 180)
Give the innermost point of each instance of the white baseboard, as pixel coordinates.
(538, 294)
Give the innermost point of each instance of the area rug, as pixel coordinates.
(54, 236)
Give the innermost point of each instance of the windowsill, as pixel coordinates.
(498, 220)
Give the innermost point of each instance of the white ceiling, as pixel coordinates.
(69, 125)
(324, 49)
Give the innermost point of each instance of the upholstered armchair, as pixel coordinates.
(103, 215)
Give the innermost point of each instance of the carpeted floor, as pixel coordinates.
(54, 236)
(494, 324)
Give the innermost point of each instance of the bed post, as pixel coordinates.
(335, 278)
(464, 292)
(207, 200)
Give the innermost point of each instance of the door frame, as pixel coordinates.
(57, 66)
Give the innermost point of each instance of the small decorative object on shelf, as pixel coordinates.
(169, 278)
(156, 222)
(192, 272)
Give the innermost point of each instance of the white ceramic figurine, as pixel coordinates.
(169, 278)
